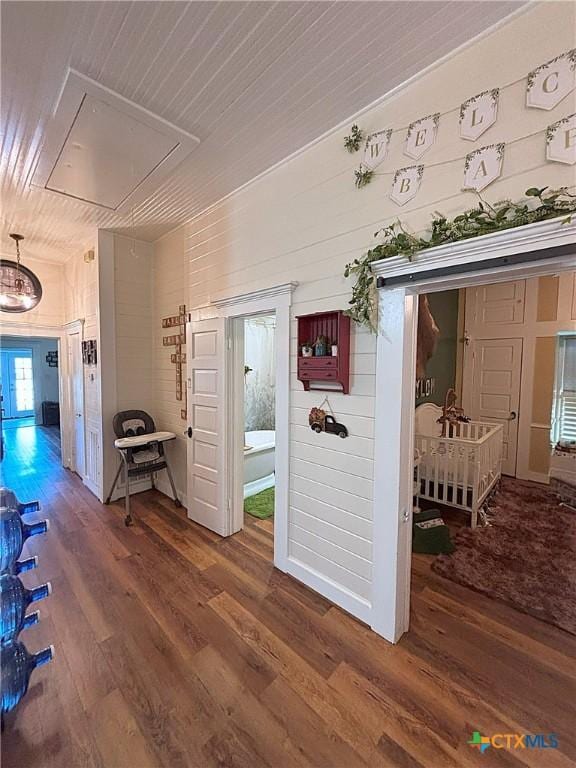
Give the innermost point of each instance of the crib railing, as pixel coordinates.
(461, 468)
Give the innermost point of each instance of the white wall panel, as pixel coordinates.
(304, 221)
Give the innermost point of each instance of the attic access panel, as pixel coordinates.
(106, 150)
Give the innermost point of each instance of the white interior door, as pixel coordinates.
(493, 368)
(207, 492)
(77, 402)
(496, 304)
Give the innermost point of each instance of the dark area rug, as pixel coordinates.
(527, 559)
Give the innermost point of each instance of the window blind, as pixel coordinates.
(566, 388)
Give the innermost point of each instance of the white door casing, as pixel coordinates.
(455, 265)
(60, 333)
(493, 369)
(76, 382)
(207, 421)
(272, 300)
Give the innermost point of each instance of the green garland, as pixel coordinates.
(484, 219)
(353, 141)
(363, 176)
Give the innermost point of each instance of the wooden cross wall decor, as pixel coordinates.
(177, 340)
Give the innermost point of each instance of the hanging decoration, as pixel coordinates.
(478, 113)
(483, 166)
(177, 340)
(421, 135)
(376, 148)
(362, 176)
(406, 184)
(561, 141)
(89, 352)
(353, 141)
(320, 421)
(546, 86)
(425, 387)
(549, 83)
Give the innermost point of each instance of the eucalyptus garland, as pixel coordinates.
(540, 204)
(363, 176)
(353, 141)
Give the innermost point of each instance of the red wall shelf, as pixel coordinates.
(335, 326)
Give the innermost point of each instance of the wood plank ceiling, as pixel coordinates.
(254, 81)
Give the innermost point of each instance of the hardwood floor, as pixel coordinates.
(177, 648)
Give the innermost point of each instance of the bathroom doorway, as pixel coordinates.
(216, 383)
(257, 414)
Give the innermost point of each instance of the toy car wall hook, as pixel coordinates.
(320, 421)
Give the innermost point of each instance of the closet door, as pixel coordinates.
(496, 371)
(492, 365)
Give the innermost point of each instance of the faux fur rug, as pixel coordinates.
(526, 559)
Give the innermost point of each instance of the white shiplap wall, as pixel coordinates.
(50, 309)
(133, 308)
(304, 220)
(169, 291)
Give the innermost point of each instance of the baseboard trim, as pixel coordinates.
(136, 486)
(262, 484)
(163, 485)
(92, 487)
(351, 603)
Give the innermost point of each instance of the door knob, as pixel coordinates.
(188, 432)
(512, 416)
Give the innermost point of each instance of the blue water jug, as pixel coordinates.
(14, 600)
(9, 499)
(21, 566)
(17, 666)
(13, 534)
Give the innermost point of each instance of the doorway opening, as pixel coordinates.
(494, 442)
(257, 413)
(216, 382)
(29, 380)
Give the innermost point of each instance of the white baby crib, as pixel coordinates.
(462, 468)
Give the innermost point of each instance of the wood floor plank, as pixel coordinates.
(120, 740)
(539, 651)
(380, 714)
(176, 648)
(303, 679)
(250, 721)
(323, 746)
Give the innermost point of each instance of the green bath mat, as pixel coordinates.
(260, 505)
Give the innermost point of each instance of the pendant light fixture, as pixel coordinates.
(20, 289)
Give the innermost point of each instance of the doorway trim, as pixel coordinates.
(275, 300)
(451, 266)
(76, 327)
(60, 333)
